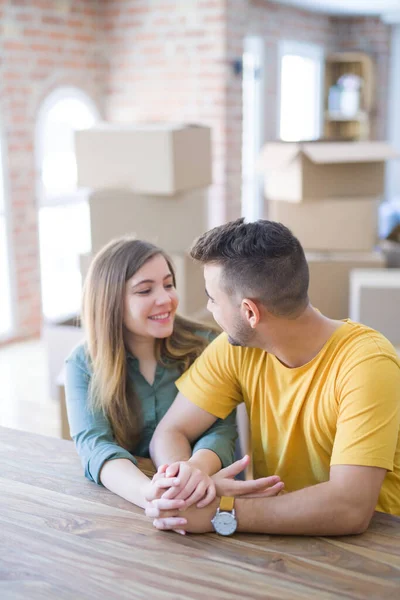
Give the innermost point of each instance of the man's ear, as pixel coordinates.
(250, 312)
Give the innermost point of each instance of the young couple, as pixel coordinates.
(323, 396)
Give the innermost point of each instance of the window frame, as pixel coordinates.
(304, 50)
(6, 212)
(57, 95)
(43, 198)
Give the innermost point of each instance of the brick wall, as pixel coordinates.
(43, 44)
(168, 62)
(147, 60)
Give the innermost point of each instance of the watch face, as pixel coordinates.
(224, 523)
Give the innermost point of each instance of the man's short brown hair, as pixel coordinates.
(261, 260)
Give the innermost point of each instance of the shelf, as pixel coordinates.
(359, 117)
(337, 124)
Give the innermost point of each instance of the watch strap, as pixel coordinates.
(227, 503)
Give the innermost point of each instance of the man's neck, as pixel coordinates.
(295, 342)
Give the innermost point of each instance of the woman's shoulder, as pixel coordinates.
(207, 334)
(80, 357)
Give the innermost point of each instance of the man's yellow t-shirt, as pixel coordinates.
(341, 408)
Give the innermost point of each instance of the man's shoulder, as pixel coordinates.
(358, 343)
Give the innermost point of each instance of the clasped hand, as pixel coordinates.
(181, 485)
(186, 485)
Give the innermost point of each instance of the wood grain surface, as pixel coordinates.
(62, 537)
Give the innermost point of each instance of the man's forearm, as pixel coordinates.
(316, 510)
(207, 461)
(169, 447)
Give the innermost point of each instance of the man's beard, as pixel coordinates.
(242, 334)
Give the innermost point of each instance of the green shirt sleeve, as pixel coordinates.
(221, 439)
(90, 430)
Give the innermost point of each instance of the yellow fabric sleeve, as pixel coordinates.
(368, 414)
(212, 381)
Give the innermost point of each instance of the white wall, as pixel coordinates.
(393, 169)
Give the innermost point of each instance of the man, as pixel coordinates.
(323, 396)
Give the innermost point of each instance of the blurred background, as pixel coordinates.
(287, 110)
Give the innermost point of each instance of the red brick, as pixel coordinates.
(53, 20)
(13, 45)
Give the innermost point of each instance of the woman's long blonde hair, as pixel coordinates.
(102, 314)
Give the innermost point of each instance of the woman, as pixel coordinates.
(121, 381)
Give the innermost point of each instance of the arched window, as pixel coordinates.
(64, 229)
(6, 317)
(300, 92)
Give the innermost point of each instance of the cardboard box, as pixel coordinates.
(84, 264)
(171, 223)
(190, 287)
(391, 250)
(149, 159)
(330, 279)
(375, 300)
(298, 172)
(330, 225)
(60, 338)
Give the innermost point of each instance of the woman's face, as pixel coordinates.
(151, 300)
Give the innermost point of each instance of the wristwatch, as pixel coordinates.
(225, 522)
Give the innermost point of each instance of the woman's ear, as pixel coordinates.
(250, 312)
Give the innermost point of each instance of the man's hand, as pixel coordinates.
(264, 487)
(193, 485)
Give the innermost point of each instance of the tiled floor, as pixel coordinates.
(24, 394)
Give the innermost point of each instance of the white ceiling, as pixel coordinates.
(347, 7)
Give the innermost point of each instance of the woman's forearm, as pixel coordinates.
(123, 478)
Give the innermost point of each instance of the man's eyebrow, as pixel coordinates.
(208, 295)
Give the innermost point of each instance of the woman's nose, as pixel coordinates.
(163, 297)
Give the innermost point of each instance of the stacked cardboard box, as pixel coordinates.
(375, 300)
(328, 193)
(150, 181)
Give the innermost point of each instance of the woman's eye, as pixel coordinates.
(143, 292)
(169, 286)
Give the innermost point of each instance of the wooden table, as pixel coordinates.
(64, 537)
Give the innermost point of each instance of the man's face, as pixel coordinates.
(226, 309)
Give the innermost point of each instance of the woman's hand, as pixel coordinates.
(194, 485)
(226, 485)
(154, 489)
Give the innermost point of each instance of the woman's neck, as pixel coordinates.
(140, 347)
